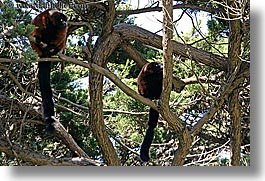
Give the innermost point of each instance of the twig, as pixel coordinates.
(159, 9)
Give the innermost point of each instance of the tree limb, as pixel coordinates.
(37, 159)
(232, 84)
(113, 78)
(60, 130)
(132, 32)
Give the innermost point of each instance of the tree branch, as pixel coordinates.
(159, 9)
(113, 78)
(232, 84)
(180, 129)
(60, 130)
(234, 52)
(37, 159)
(132, 32)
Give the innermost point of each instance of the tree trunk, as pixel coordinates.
(181, 130)
(104, 48)
(234, 67)
(236, 128)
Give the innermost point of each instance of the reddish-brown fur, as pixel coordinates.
(150, 80)
(48, 32)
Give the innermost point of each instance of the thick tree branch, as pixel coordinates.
(122, 32)
(234, 62)
(132, 32)
(167, 53)
(181, 130)
(108, 41)
(108, 19)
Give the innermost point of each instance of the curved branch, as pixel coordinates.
(132, 32)
(112, 77)
(123, 32)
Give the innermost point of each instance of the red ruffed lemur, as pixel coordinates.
(150, 86)
(50, 35)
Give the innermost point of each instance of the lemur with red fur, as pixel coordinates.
(150, 86)
(50, 34)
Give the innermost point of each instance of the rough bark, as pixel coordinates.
(167, 43)
(132, 32)
(234, 106)
(234, 64)
(167, 52)
(106, 44)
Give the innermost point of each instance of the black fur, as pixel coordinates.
(46, 94)
(49, 127)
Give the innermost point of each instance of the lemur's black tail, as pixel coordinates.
(46, 94)
(49, 127)
(149, 135)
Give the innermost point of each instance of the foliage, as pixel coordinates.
(125, 118)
